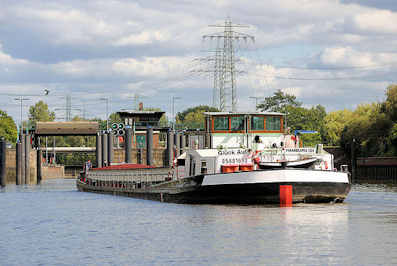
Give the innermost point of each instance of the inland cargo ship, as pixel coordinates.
(248, 159)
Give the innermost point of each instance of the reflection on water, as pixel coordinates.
(54, 224)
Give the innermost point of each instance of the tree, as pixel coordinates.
(297, 117)
(334, 123)
(194, 120)
(200, 108)
(300, 118)
(370, 128)
(390, 105)
(8, 128)
(193, 117)
(40, 112)
(279, 102)
(113, 118)
(163, 122)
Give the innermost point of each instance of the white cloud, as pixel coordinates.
(345, 56)
(296, 91)
(376, 21)
(6, 60)
(122, 47)
(143, 38)
(65, 25)
(157, 67)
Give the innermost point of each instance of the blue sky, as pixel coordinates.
(335, 53)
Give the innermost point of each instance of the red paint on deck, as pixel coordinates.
(246, 167)
(124, 167)
(285, 196)
(230, 168)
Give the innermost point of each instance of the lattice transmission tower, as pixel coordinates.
(223, 64)
(68, 108)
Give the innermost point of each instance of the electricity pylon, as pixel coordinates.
(224, 64)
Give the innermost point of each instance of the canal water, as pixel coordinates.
(54, 224)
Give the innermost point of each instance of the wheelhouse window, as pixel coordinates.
(221, 123)
(257, 123)
(237, 123)
(273, 123)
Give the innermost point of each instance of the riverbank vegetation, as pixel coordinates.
(373, 126)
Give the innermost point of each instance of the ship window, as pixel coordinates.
(273, 123)
(237, 123)
(257, 123)
(221, 123)
(203, 167)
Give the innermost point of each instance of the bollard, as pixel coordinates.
(39, 171)
(285, 195)
(207, 141)
(177, 139)
(353, 161)
(183, 143)
(149, 146)
(18, 163)
(23, 159)
(2, 162)
(128, 145)
(110, 148)
(98, 151)
(104, 150)
(139, 156)
(27, 159)
(170, 147)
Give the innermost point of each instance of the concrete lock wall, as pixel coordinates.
(52, 171)
(11, 167)
(159, 156)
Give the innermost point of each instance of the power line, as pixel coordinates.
(341, 78)
(333, 68)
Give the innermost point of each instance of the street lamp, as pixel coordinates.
(107, 111)
(21, 99)
(173, 109)
(256, 101)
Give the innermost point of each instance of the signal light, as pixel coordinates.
(118, 129)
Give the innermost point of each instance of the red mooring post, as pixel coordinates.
(285, 196)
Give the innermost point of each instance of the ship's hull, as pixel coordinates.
(255, 187)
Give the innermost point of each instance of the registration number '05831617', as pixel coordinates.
(234, 160)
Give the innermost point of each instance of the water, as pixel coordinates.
(54, 224)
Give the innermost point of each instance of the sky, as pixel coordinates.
(337, 53)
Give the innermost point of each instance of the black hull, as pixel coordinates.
(258, 193)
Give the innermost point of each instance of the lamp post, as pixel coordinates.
(107, 111)
(173, 110)
(21, 99)
(256, 101)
